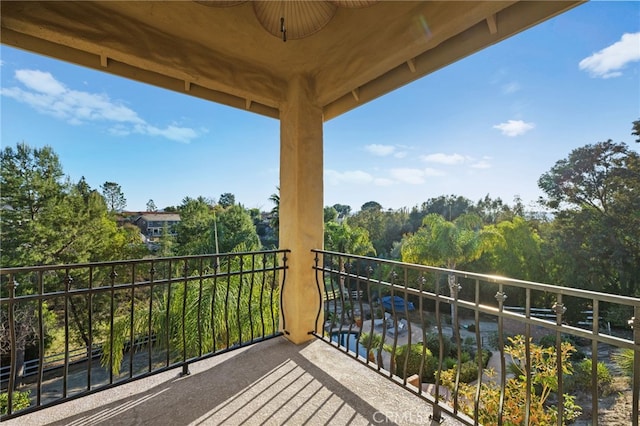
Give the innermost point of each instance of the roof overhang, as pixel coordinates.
(224, 54)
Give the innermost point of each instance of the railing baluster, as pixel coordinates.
(240, 281)
(199, 315)
(262, 285)
(112, 315)
(12, 341)
(41, 332)
(152, 272)
(226, 303)
(594, 360)
(214, 295)
(185, 291)
(479, 351)
(65, 374)
(168, 315)
(527, 351)
(635, 325)
(131, 319)
(90, 318)
(251, 282)
(559, 308)
(501, 297)
(120, 305)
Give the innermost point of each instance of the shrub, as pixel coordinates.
(413, 357)
(544, 382)
(468, 371)
(432, 343)
(623, 359)
(549, 341)
(581, 378)
(20, 401)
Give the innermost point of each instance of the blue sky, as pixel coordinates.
(489, 124)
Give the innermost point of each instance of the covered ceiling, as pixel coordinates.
(234, 53)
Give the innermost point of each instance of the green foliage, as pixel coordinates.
(346, 239)
(113, 196)
(592, 242)
(544, 382)
(439, 242)
(468, 371)
(411, 357)
(227, 200)
(581, 378)
(226, 311)
(432, 342)
(623, 359)
(20, 401)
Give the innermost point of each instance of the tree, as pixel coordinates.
(236, 230)
(330, 214)
(48, 220)
(371, 205)
(195, 231)
(636, 130)
(275, 211)
(342, 209)
(342, 238)
(227, 200)
(31, 182)
(151, 206)
(112, 192)
(447, 244)
(594, 195)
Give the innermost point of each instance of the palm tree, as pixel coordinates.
(439, 242)
(189, 319)
(275, 211)
(342, 238)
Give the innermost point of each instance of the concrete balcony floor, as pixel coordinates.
(270, 383)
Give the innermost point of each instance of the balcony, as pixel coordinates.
(217, 347)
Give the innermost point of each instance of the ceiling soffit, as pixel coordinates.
(226, 55)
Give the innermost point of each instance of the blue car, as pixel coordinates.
(398, 304)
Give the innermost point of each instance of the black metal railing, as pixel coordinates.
(129, 319)
(448, 336)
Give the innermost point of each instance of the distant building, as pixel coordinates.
(152, 224)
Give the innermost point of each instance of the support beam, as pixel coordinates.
(411, 63)
(492, 23)
(301, 209)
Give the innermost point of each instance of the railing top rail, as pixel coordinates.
(565, 291)
(18, 269)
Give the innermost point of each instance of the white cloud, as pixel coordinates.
(400, 154)
(414, 176)
(482, 164)
(380, 150)
(48, 96)
(612, 59)
(174, 133)
(39, 81)
(405, 175)
(514, 127)
(510, 88)
(334, 177)
(441, 158)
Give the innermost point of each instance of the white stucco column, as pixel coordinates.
(301, 209)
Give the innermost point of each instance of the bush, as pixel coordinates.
(468, 371)
(20, 401)
(581, 378)
(432, 343)
(413, 361)
(543, 383)
(623, 359)
(549, 341)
